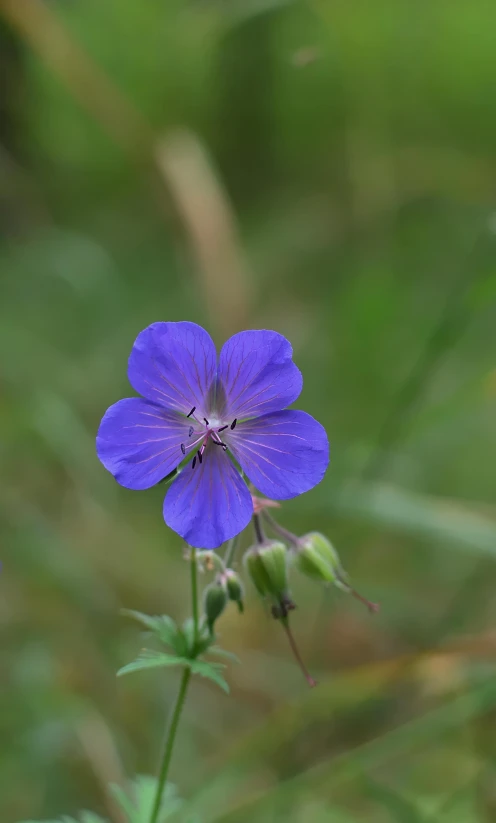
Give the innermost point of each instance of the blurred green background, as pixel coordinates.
(326, 169)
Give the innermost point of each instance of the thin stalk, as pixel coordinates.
(169, 743)
(257, 525)
(342, 584)
(372, 607)
(280, 530)
(173, 723)
(194, 594)
(231, 551)
(294, 648)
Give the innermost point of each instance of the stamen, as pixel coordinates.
(194, 462)
(233, 424)
(191, 412)
(200, 458)
(206, 421)
(219, 443)
(223, 428)
(183, 448)
(191, 430)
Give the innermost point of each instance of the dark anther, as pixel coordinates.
(194, 462)
(224, 446)
(190, 431)
(206, 421)
(222, 429)
(200, 457)
(191, 412)
(218, 443)
(183, 448)
(233, 424)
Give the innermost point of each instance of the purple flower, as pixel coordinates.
(208, 409)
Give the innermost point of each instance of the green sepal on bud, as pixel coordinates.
(267, 565)
(317, 558)
(235, 590)
(215, 601)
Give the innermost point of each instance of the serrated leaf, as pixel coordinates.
(137, 802)
(188, 632)
(212, 671)
(162, 625)
(149, 659)
(202, 642)
(181, 645)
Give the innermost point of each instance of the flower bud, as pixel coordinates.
(317, 558)
(215, 601)
(234, 588)
(267, 566)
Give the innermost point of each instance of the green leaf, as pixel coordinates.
(137, 802)
(149, 659)
(193, 643)
(212, 671)
(162, 625)
(182, 647)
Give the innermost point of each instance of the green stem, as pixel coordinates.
(170, 736)
(294, 648)
(194, 594)
(169, 743)
(280, 530)
(230, 551)
(257, 525)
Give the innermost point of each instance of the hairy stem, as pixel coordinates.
(257, 525)
(194, 594)
(294, 648)
(169, 743)
(280, 530)
(231, 551)
(173, 723)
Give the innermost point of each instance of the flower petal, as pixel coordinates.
(257, 373)
(140, 442)
(174, 364)
(284, 453)
(210, 503)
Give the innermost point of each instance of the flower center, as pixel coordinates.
(209, 430)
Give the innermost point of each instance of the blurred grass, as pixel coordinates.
(327, 170)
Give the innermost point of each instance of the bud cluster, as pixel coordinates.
(268, 564)
(226, 587)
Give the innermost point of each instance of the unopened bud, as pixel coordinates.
(317, 558)
(267, 567)
(234, 588)
(215, 600)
